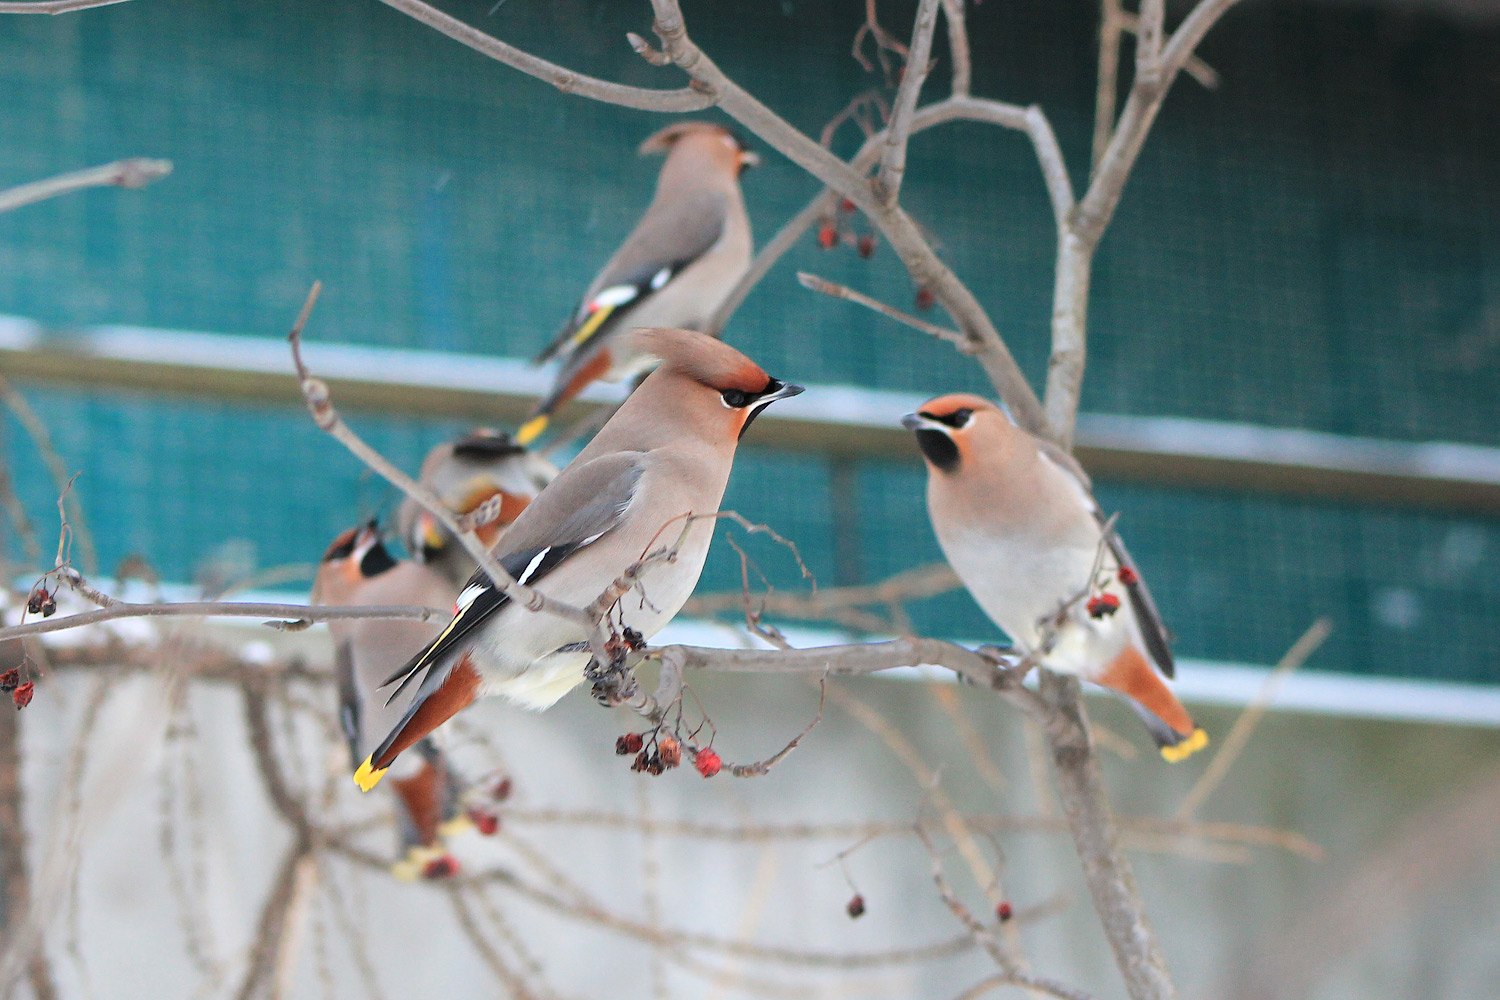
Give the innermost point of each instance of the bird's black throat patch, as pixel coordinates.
(939, 449)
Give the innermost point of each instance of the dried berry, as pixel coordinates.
(1102, 605)
(22, 695)
(1003, 911)
(502, 790)
(442, 867)
(38, 599)
(1128, 576)
(856, 907)
(925, 298)
(670, 751)
(486, 822)
(654, 766)
(707, 762)
(828, 236)
(628, 744)
(10, 679)
(846, 206)
(641, 761)
(866, 245)
(49, 607)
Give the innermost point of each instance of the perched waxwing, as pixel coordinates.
(1016, 518)
(685, 255)
(357, 569)
(466, 473)
(665, 455)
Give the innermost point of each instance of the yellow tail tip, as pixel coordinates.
(531, 429)
(1186, 748)
(455, 825)
(367, 777)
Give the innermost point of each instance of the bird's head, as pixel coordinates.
(951, 428)
(466, 473)
(707, 141)
(356, 555)
(728, 389)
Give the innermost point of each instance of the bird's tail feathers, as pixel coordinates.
(444, 692)
(1170, 726)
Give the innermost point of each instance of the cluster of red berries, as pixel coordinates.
(665, 753)
(833, 231)
(41, 602)
(1102, 605)
(20, 694)
(445, 866)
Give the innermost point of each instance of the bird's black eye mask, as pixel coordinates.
(738, 399)
(486, 447)
(956, 419)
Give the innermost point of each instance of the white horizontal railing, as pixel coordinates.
(835, 420)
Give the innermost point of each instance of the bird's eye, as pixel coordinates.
(958, 418)
(735, 399)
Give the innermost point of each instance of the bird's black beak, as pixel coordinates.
(775, 389)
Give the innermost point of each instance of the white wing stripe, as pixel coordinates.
(531, 566)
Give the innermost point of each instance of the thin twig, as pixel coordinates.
(898, 132)
(837, 291)
(134, 173)
(1239, 734)
(281, 614)
(564, 79)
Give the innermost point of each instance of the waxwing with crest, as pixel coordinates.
(467, 473)
(1016, 517)
(674, 269)
(652, 477)
(357, 570)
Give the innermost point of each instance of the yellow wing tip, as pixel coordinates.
(1186, 748)
(531, 430)
(367, 776)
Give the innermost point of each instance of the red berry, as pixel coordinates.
(38, 599)
(9, 680)
(502, 790)
(1102, 605)
(828, 236)
(443, 867)
(846, 206)
(628, 744)
(856, 907)
(22, 695)
(1003, 911)
(925, 298)
(670, 751)
(487, 823)
(707, 762)
(1128, 576)
(866, 245)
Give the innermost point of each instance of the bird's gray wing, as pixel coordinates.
(349, 707)
(670, 236)
(577, 509)
(1153, 629)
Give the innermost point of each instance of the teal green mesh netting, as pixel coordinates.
(1316, 244)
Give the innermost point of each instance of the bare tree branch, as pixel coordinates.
(136, 173)
(837, 291)
(898, 132)
(282, 613)
(52, 6)
(564, 79)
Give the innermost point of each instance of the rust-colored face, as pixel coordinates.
(946, 428)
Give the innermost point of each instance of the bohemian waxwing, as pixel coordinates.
(357, 569)
(685, 255)
(663, 456)
(1017, 520)
(464, 474)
